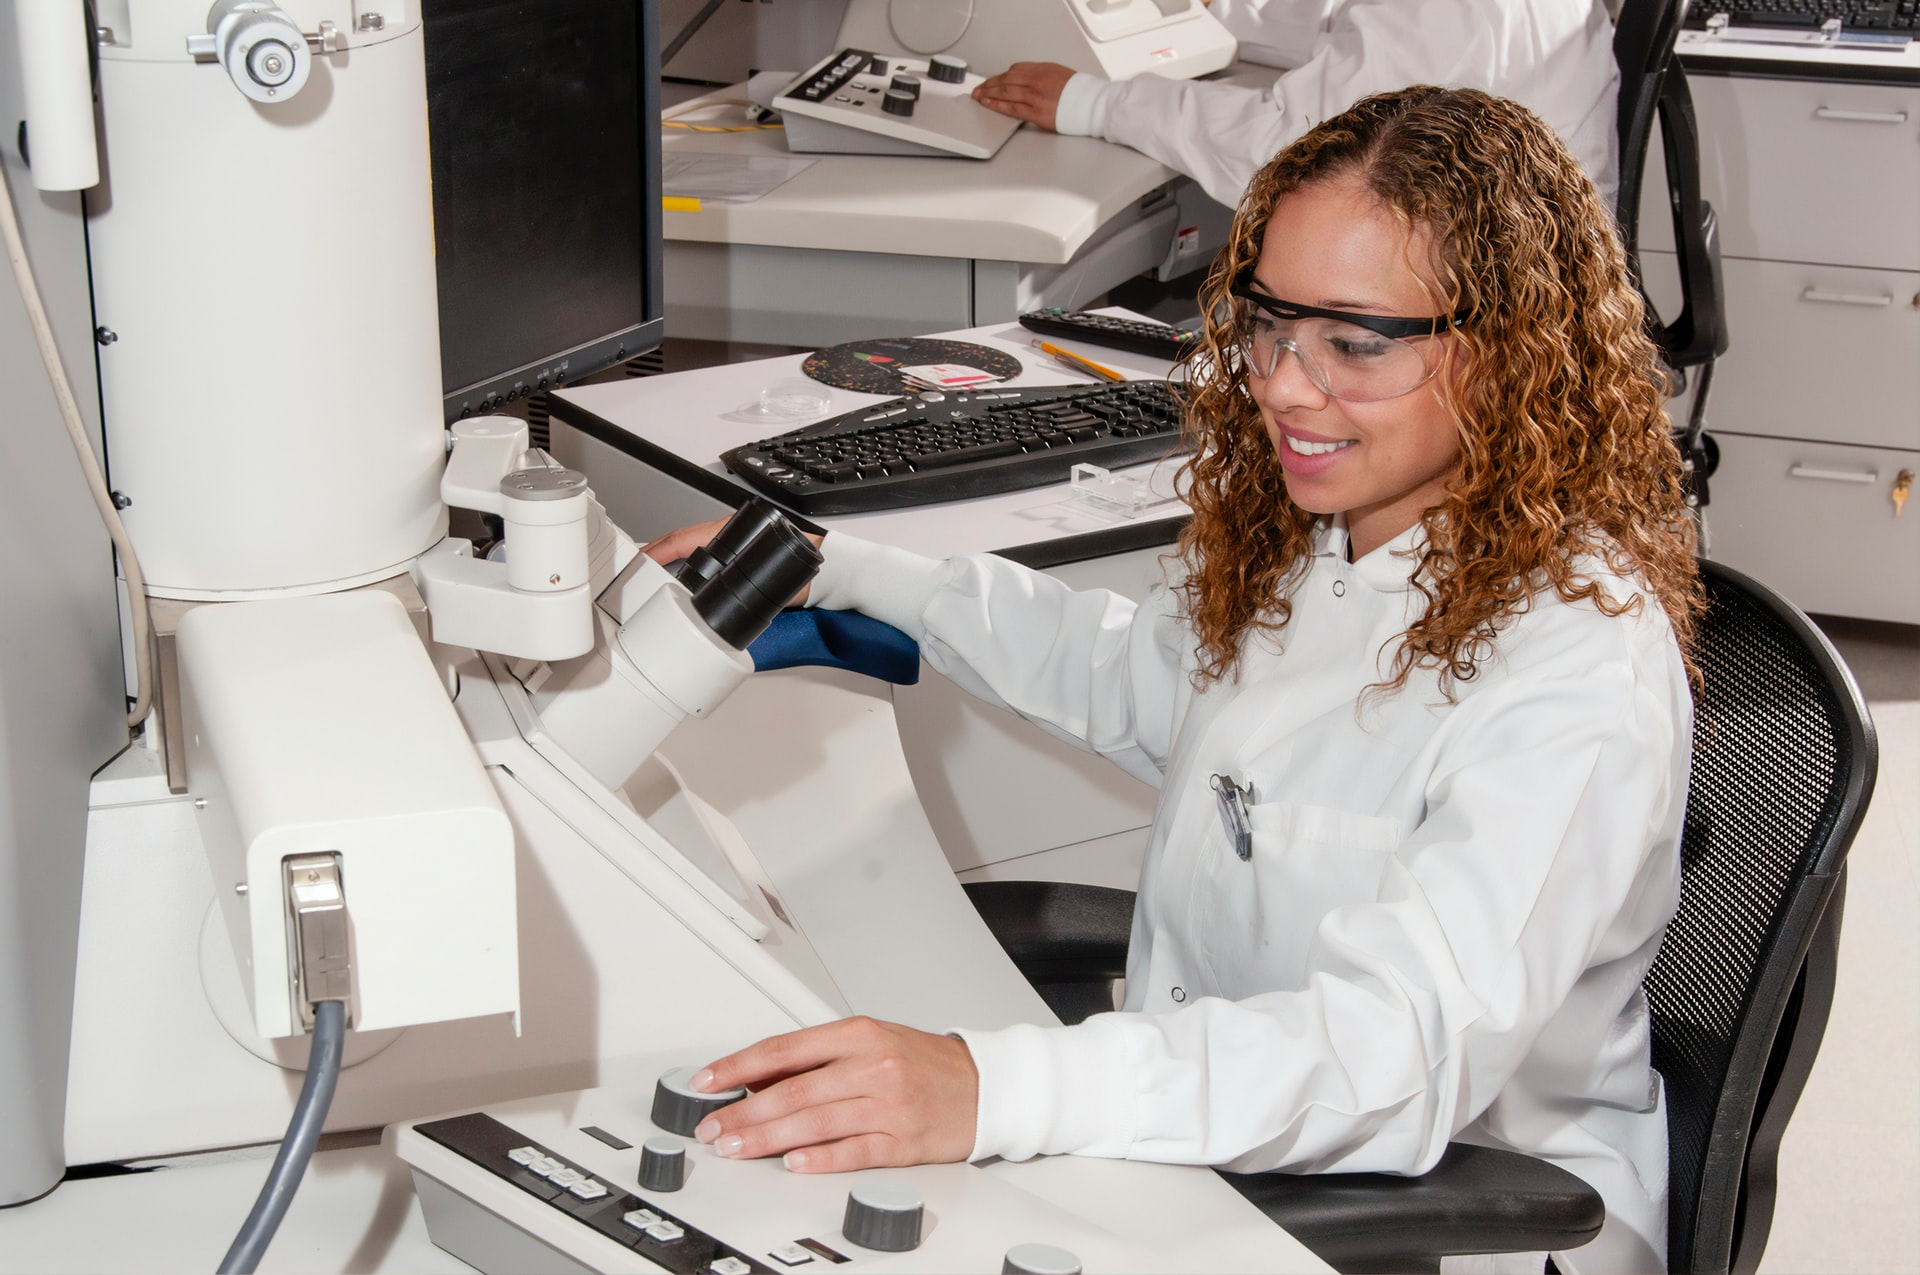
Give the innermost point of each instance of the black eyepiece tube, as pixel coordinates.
(748, 521)
(740, 601)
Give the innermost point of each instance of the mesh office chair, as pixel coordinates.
(1783, 765)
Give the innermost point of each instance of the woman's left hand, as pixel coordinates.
(852, 1094)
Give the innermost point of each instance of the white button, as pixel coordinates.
(1339, 588)
(665, 1232)
(523, 1155)
(588, 1190)
(1179, 993)
(729, 1266)
(566, 1177)
(640, 1219)
(546, 1166)
(792, 1254)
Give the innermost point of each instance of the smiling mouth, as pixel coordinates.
(1301, 447)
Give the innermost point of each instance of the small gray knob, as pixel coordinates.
(678, 1108)
(908, 84)
(946, 68)
(663, 1164)
(897, 103)
(884, 1216)
(1039, 1259)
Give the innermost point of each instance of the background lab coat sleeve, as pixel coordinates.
(1088, 667)
(1418, 1006)
(1553, 56)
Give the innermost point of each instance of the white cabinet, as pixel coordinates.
(1816, 405)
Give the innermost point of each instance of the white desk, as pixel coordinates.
(676, 427)
(1006, 800)
(868, 245)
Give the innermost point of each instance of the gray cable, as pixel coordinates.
(687, 32)
(303, 1131)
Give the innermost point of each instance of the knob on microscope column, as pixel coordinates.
(663, 1164)
(946, 68)
(679, 1108)
(896, 102)
(884, 1216)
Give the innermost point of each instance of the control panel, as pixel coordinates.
(577, 1180)
(857, 102)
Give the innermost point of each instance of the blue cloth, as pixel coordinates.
(837, 639)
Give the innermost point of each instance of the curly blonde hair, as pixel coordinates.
(1565, 447)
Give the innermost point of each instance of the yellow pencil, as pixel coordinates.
(1080, 361)
(680, 203)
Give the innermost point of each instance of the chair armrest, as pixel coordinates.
(1058, 931)
(1475, 1200)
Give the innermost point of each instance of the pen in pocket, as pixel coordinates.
(1233, 814)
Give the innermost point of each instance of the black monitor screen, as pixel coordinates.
(544, 124)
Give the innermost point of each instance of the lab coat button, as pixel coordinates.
(1339, 588)
(1179, 994)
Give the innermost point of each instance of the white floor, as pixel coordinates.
(1850, 1161)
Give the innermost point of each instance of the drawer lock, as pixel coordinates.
(1902, 484)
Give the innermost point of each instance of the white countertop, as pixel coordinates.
(696, 415)
(1036, 201)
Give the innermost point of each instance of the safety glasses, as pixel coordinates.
(1361, 358)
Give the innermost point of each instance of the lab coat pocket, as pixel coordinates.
(1307, 861)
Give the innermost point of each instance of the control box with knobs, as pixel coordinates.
(561, 1176)
(858, 102)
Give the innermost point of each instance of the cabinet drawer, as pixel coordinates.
(1815, 521)
(1803, 170)
(1821, 352)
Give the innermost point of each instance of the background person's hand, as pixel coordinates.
(676, 545)
(1028, 91)
(852, 1094)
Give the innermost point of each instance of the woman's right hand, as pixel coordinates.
(676, 545)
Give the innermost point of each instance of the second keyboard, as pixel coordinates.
(928, 448)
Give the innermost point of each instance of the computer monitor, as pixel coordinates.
(544, 124)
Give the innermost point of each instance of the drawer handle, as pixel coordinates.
(1836, 475)
(1847, 298)
(1860, 117)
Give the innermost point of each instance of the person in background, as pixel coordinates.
(1418, 707)
(1555, 57)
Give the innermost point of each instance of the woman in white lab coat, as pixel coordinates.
(1419, 713)
(1555, 57)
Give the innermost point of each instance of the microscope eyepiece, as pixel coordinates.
(704, 563)
(754, 582)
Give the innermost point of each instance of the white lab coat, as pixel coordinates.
(1554, 57)
(1448, 911)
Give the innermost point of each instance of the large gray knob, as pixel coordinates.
(1039, 1259)
(663, 1164)
(884, 1216)
(678, 1108)
(946, 68)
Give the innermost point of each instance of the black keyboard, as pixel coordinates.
(927, 448)
(1810, 15)
(1136, 336)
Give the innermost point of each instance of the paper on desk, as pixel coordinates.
(728, 179)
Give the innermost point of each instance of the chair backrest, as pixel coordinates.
(1783, 765)
(1653, 86)
(1644, 32)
